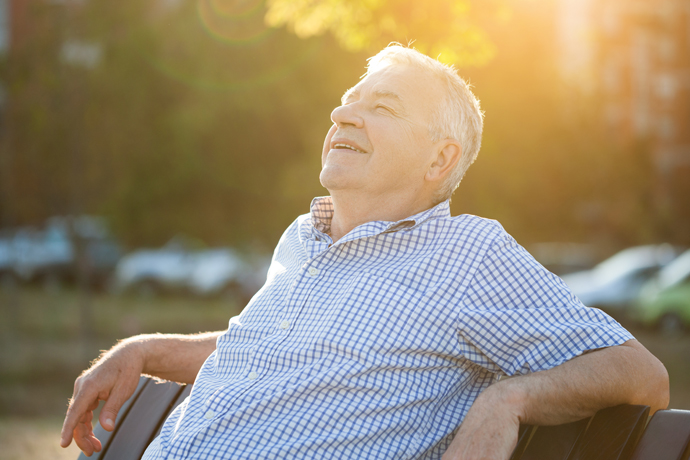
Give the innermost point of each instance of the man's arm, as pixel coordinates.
(115, 375)
(625, 374)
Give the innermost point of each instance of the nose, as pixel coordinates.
(346, 115)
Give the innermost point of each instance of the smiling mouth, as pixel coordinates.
(346, 146)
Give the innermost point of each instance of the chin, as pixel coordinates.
(332, 179)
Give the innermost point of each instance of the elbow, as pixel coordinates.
(656, 392)
(662, 389)
(651, 377)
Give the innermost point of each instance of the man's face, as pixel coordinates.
(380, 142)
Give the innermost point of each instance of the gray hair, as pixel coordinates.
(458, 115)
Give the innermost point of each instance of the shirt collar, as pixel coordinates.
(321, 211)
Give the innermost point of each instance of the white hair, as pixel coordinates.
(457, 116)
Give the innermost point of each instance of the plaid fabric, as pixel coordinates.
(376, 346)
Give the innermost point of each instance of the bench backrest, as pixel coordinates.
(616, 433)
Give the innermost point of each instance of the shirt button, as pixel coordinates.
(313, 271)
(209, 415)
(253, 376)
(285, 324)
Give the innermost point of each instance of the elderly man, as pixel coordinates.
(385, 324)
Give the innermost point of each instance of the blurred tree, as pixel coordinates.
(179, 131)
(195, 117)
(450, 29)
(548, 169)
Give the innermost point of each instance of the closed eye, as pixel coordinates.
(386, 108)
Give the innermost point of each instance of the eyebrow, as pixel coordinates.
(380, 94)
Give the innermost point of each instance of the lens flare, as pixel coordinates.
(236, 9)
(234, 21)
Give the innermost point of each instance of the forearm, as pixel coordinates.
(173, 357)
(626, 374)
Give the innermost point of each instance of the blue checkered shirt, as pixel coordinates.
(376, 346)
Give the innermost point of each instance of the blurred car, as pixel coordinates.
(217, 272)
(564, 258)
(178, 268)
(6, 260)
(101, 251)
(665, 300)
(616, 282)
(44, 256)
(49, 255)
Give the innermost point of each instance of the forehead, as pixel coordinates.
(408, 85)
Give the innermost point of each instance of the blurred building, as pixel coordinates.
(635, 55)
(643, 59)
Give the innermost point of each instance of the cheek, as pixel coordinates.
(406, 135)
(327, 144)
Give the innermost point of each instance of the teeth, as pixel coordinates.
(345, 146)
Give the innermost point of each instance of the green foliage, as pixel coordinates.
(173, 130)
(450, 29)
(548, 170)
(199, 119)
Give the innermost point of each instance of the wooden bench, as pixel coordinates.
(617, 433)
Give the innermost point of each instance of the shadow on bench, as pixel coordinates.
(616, 433)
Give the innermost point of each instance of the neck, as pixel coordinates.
(350, 210)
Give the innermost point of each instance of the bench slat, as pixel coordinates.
(612, 433)
(555, 442)
(142, 421)
(667, 437)
(524, 435)
(181, 397)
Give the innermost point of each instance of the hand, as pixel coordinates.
(113, 378)
(489, 431)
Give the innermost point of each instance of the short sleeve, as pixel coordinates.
(517, 317)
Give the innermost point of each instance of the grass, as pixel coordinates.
(45, 342)
(34, 438)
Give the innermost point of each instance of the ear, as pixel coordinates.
(448, 153)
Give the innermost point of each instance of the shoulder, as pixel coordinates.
(293, 230)
(290, 239)
(467, 229)
(495, 250)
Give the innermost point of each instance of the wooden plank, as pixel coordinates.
(142, 421)
(555, 442)
(667, 437)
(612, 433)
(524, 435)
(186, 390)
(106, 436)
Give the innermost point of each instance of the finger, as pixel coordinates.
(95, 442)
(76, 410)
(112, 406)
(82, 437)
(86, 418)
(85, 433)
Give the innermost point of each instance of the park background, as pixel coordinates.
(206, 118)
